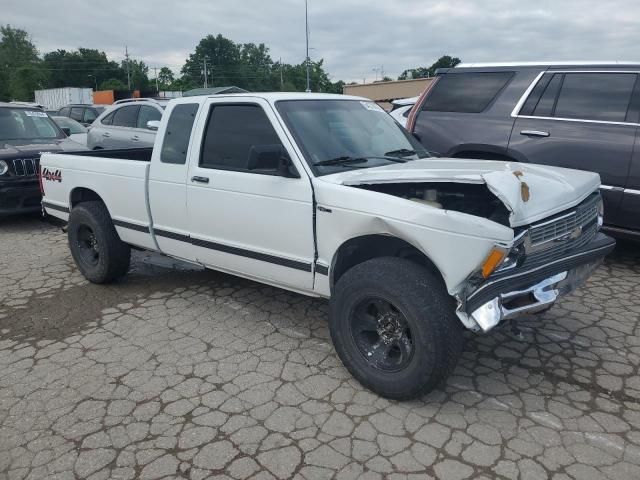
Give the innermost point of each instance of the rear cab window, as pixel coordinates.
(467, 92)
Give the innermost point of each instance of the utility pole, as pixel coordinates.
(126, 55)
(206, 79)
(281, 78)
(306, 21)
(155, 72)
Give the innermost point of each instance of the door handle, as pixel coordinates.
(534, 133)
(135, 138)
(106, 134)
(200, 179)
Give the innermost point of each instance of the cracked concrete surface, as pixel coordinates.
(190, 374)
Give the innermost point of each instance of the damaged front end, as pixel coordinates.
(546, 260)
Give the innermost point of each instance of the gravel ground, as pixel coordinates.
(194, 374)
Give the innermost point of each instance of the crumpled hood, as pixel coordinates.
(530, 192)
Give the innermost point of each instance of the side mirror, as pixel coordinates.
(153, 125)
(271, 159)
(66, 130)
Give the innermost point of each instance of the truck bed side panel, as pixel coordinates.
(119, 183)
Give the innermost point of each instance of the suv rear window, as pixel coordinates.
(465, 92)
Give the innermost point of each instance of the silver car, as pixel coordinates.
(129, 123)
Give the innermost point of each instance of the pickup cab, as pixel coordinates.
(326, 195)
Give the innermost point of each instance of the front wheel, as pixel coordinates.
(95, 245)
(394, 327)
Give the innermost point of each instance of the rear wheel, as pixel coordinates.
(95, 245)
(394, 327)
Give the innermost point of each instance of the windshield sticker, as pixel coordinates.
(374, 107)
(31, 113)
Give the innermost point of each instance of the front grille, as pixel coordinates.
(26, 167)
(567, 224)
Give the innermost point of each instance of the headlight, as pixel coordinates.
(4, 168)
(600, 213)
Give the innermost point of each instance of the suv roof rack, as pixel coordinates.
(130, 100)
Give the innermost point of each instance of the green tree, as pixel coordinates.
(20, 67)
(139, 74)
(165, 78)
(113, 84)
(80, 68)
(222, 57)
(445, 61)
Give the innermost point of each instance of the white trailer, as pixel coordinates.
(56, 98)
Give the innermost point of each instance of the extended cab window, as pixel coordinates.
(176, 137)
(465, 92)
(231, 133)
(126, 116)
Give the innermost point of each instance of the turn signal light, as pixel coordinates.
(493, 260)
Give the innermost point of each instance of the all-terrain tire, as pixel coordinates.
(419, 295)
(90, 225)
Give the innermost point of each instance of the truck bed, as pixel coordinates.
(139, 154)
(118, 177)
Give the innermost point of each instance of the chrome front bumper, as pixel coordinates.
(530, 290)
(534, 299)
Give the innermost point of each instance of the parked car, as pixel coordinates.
(401, 109)
(74, 130)
(84, 114)
(25, 132)
(130, 123)
(328, 196)
(582, 116)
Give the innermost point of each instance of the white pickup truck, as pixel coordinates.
(328, 196)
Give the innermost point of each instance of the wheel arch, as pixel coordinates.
(82, 194)
(359, 249)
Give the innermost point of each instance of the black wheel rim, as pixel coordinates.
(88, 246)
(381, 334)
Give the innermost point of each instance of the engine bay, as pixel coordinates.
(473, 199)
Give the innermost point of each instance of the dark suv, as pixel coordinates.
(582, 116)
(25, 132)
(84, 114)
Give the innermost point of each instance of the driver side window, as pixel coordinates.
(233, 132)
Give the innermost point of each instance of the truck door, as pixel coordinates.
(580, 120)
(168, 180)
(256, 224)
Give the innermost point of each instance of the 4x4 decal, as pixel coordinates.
(52, 176)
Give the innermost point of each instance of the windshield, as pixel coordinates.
(336, 135)
(25, 124)
(73, 126)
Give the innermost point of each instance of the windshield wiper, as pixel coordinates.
(343, 160)
(401, 152)
(347, 160)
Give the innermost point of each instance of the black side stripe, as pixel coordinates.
(131, 226)
(51, 206)
(172, 235)
(264, 257)
(322, 269)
